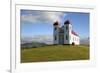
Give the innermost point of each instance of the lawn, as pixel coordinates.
(55, 53)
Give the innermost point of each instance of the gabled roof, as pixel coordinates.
(74, 33)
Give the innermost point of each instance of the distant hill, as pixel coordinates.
(26, 40)
(85, 41)
(41, 39)
(32, 45)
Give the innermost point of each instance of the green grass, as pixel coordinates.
(55, 53)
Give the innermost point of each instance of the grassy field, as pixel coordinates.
(55, 53)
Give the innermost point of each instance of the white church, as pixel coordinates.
(64, 34)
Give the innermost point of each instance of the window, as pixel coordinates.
(55, 28)
(66, 27)
(66, 37)
(55, 38)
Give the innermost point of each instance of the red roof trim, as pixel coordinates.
(74, 33)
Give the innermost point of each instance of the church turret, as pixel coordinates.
(67, 32)
(56, 32)
(64, 34)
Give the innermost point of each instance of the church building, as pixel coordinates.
(65, 34)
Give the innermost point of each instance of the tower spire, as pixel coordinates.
(67, 22)
(56, 23)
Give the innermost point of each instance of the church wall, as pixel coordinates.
(74, 39)
(61, 35)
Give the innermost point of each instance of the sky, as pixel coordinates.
(40, 23)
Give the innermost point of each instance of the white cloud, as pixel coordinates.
(41, 16)
(48, 39)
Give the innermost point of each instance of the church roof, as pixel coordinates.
(56, 23)
(67, 22)
(74, 33)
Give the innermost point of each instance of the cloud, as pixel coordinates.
(41, 16)
(48, 39)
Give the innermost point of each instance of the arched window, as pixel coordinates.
(55, 38)
(55, 28)
(66, 37)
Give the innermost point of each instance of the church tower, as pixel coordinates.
(56, 32)
(67, 32)
(64, 34)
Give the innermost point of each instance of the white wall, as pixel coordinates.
(74, 39)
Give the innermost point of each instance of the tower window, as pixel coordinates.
(66, 27)
(55, 38)
(55, 28)
(66, 37)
